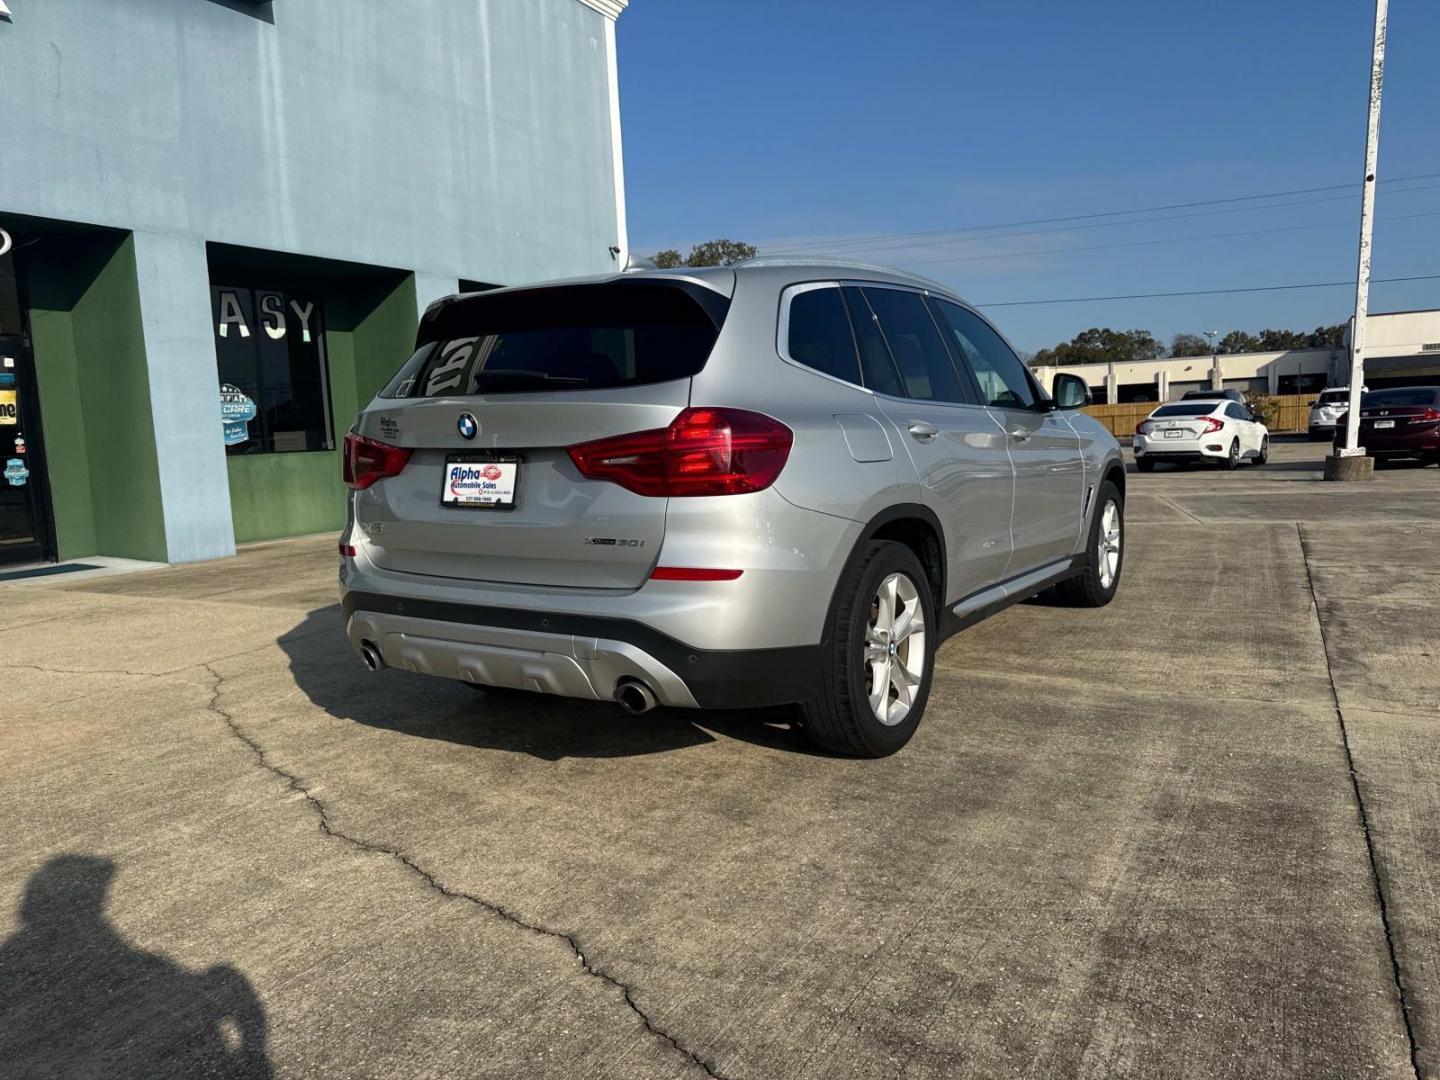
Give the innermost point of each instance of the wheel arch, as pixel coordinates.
(918, 528)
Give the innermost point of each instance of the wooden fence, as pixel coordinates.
(1293, 415)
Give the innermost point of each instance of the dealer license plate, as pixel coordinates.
(1175, 433)
(1384, 423)
(480, 481)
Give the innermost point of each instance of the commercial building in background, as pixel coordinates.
(221, 219)
(1402, 348)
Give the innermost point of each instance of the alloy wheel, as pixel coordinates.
(894, 649)
(1108, 556)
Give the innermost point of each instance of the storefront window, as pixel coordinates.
(274, 384)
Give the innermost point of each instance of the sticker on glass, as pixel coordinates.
(236, 412)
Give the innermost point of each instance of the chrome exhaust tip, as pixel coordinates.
(634, 696)
(370, 656)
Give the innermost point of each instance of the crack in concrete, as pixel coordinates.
(88, 671)
(571, 941)
(1395, 971)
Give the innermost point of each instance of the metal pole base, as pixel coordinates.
(1349, 468)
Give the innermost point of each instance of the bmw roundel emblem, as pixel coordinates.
(467, 424)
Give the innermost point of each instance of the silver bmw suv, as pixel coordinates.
(776, 482)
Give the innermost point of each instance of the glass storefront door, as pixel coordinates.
(24, 510)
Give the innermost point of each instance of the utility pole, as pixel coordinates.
(1217, 380)
(1349, 462)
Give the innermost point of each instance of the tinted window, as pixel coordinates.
(274, 390)
(564, 338)
(1197, 408)
(915, 343)
(1235, 412)
(875, 362)
(1001, 375)
(1335, 397)
(1400, 397)
(820, 335)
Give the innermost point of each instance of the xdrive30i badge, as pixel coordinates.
(613, 541)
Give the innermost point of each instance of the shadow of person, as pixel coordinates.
(77, 999)
(329, 673)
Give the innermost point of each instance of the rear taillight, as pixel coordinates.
(703, 452)
(1429, 416)
(1212, 424)
(1142, 428)
(368, 460)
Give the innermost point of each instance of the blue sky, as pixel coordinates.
(819, 124)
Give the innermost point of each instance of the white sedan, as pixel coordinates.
(1198, 431)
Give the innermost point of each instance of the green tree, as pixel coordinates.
(1328, 337)
(1240, 341)
(1103, 346)
(710, 253)
(1189, 345)
(1281, 340)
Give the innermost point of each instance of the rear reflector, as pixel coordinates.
(368, 460)
(348, 550)
(692, 573)
(702, 452)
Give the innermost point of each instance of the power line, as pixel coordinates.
(1202, 292)
(865, 239)
(949, 240)
(1152, 243)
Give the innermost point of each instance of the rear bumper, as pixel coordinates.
(1179, 449)
(584, 656)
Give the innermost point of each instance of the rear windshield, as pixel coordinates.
(1335, 397)
(1188, 408)
(567, 337)
(1400, 397)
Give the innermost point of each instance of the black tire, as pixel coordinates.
(1232, 460)
(1145, 464)
(1087, 589)
(1264, 456)
(839, 718)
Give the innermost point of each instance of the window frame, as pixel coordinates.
(963, 374)
(782, 333)
(322, 347)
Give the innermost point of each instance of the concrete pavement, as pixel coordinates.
(1123, 843)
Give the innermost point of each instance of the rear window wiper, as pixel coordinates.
(516, 377)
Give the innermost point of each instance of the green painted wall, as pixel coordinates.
(95, 396)
(369, 332)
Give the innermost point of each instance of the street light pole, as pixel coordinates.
(1216, 380)
(1351, 452)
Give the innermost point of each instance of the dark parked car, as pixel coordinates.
(1401, 422)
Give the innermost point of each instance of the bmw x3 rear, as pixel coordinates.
(776, 483)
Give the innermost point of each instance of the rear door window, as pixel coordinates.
(819, 334)
(999, 372)
(916, 346)
(564, 338)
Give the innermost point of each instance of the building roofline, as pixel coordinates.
(611, 9)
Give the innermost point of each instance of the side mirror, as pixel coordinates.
(1070, 391)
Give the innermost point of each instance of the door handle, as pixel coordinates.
(922, 431)
(1019, 434)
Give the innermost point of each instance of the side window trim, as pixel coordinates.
(782, 332)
